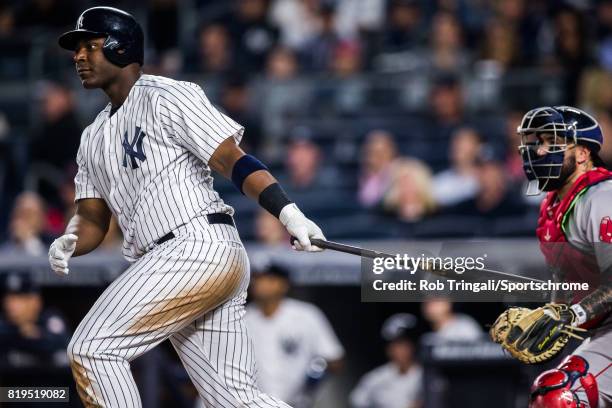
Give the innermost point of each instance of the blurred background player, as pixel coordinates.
(396, 384)
(448, 325)
(294, 342)
(30, 334)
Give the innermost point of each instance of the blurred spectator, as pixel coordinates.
(404, 28)
(525, 20)
(7, 21)
(305, 168)
(58, 216)
(398, 383)
(448, 325)
(595, 90)
(513, 161)
(236, 101)
(346, 92)
(163, 36)
(571, 49)
(355, 18)
(378, 153)
(605, 121)
(500, 46)
(460, 181)
(493, 199)
(282, 64)
(280, 95)
(410, 194)
(46, 14)
(26, 226)
(296, 19)
(294, 342)
(30, 335)
(55, 140)
(162, 25)
(269, 230)
(603, 15)
(252, 35)
(447, 52)
(215, 51)
(319, 51)
(446, 100)
(346, 60)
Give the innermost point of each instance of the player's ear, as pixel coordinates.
(583, 154)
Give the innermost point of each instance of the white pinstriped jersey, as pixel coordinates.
(149, 159)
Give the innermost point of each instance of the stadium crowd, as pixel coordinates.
(390, 109)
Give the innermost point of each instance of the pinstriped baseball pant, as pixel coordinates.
(191, 290)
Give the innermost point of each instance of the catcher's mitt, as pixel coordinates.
(534, 336)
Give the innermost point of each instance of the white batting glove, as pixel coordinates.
(301, 228)
(60, 252)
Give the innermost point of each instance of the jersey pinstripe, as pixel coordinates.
(149, 159)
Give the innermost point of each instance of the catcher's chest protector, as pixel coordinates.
(575, 265)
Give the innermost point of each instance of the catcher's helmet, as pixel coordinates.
(124, 42)
(588, 131)
(544, 121)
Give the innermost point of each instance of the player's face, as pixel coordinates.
(266, 288)
(546, 142)
(22, 308)
(400, 352)
(94, 70)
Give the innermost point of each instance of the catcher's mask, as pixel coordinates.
(544, 139)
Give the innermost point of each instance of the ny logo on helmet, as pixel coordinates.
(133, 148)
(80, 22)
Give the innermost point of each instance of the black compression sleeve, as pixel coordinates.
(273, 198)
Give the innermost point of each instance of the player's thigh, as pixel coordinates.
(219, 342)
(164, 291)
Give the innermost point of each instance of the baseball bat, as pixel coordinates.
(370, 253)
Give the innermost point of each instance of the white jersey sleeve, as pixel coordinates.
(84, 187)
(326, 343)
(193, 122)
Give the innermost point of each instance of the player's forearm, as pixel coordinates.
(91, 233)
(257, 182)
(249, 175)
(598, 303)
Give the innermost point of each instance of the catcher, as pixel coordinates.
(560, 156)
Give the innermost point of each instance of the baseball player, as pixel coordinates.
(560, 156)
(147, 159)
(398, 383)
(293, 337)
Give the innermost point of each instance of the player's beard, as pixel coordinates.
(568, 168)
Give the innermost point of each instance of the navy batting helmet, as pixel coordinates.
(124, 42)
